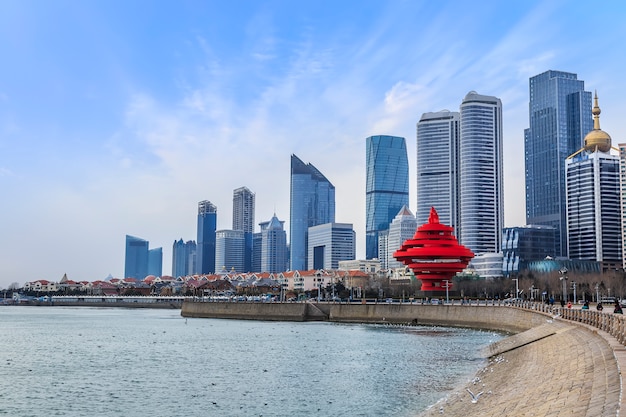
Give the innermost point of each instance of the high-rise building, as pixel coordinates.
(386, 186)
(330, 243)
(136, 259)
(403, 227)
(229, 250)
(438, 137)
(481, 200)
(559, 117)
(312, 202)
(155, 262)
(205, 248)
(243, 219)
(183, 258)
(273, 246)
(592, 184)
(622, 182)
(243, 209)
(522, 245)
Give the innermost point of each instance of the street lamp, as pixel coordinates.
(447, 286)
(563, 279)
(516, 287)
(574, 288)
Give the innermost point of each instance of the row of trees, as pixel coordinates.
(531, 286)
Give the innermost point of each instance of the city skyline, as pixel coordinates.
(119, 118)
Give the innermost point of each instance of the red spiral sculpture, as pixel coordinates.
(434, 255)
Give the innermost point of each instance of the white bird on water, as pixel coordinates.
(474, 397)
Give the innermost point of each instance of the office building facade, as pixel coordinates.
(183, 258)
(481, 202)
(403, 227)
(559, 119)
(525, 244)
(274, 253)
(243, 219)
(438, 136)
(592, 184)
(205, 247)
(386, 187)
(312, 202)
(155, 262)
(136, 257)
(330, 243)
(229, 251)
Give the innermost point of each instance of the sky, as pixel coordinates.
(118, 117)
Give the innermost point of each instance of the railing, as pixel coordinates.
(607, 321)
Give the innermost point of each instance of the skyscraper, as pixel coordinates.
(136, 258)
(243, 209)
(402, 227)
(312, 202)
(155, 262)
(438, 167)
(273, 246)
(592, 181)
(386, 187)
(243, 219)
(559, 117)
(229, 250)
(205, 248)
(481, 178)
(183, 258)
(330, 243)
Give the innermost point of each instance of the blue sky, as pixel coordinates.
(117, 117)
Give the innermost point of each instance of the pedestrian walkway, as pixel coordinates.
(555, 369)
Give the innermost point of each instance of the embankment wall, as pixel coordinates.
(508, 319)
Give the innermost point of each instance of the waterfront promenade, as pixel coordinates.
(559, 362)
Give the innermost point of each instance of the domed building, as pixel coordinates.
(592, 184)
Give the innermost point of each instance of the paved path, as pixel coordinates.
(556, 369)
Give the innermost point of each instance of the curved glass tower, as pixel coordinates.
(386, 188)
(481, 185)
(312, 201)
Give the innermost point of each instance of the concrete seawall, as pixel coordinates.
(511, 320)
(551, 366)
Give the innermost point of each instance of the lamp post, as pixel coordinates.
(563, 279)
(597, 293)
(516, 287)
(574, 288)
(447, 286)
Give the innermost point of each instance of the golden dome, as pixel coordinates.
(597, 138)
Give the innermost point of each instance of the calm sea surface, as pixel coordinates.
(58, 361)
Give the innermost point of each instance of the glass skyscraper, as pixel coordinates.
(559, 117)
(155, 262)
(403, 227)
(438, 167)
(136, 259)
(481, 181)
(183, 258)
(386, 187)
(205, 248)
(312, 202)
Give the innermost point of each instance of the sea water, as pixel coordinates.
(83, 361)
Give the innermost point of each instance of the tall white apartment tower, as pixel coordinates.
(438, 137)
(402, 227)
(481, 202)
